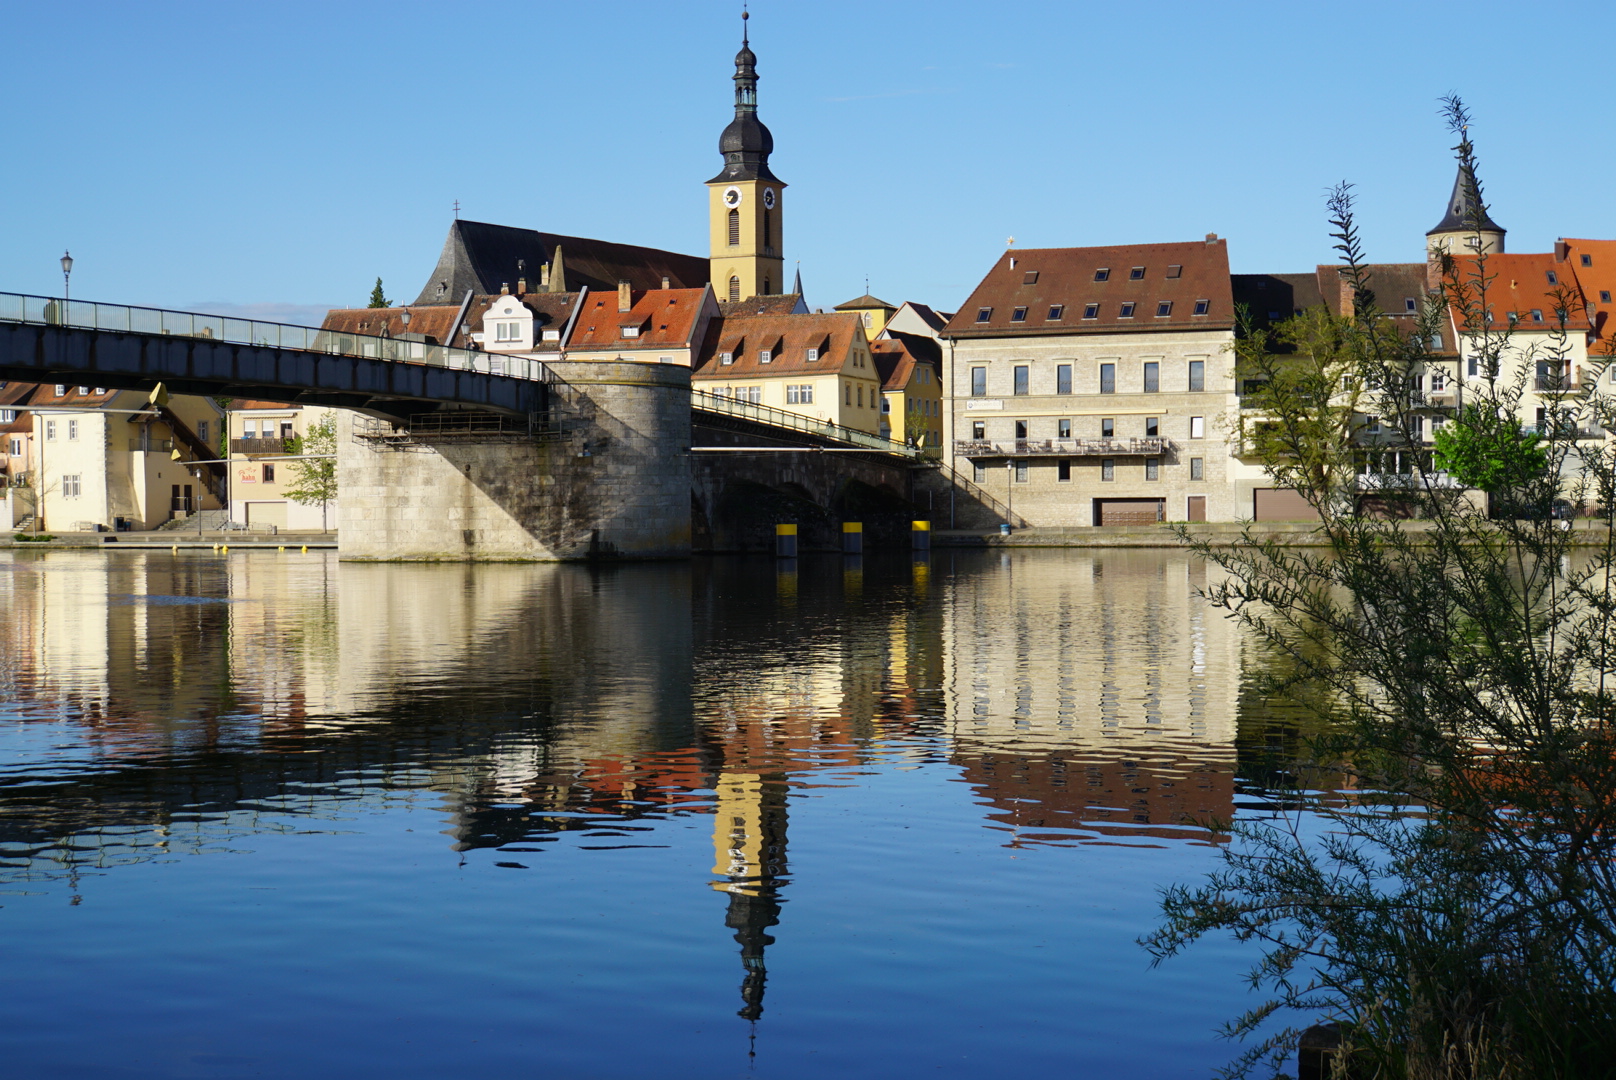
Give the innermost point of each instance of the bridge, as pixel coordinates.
(50, 340)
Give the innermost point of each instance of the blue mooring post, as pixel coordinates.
(785, 541)
(852, 538)
(920, 535)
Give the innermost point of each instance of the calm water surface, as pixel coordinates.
(274, 815)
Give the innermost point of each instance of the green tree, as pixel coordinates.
(1451, 905)
(377, 297)
(1484, 450)
(315, 480)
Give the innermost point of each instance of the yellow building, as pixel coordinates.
(818, 366)
(872, 311)
(911, 390)
(262, 435)
(745, 200)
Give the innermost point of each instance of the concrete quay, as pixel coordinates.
(1220, 534)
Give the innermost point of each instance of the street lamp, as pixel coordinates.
(67, 272)
(1009, 491)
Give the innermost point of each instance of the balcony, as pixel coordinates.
(1555, 384)
(272, 445)
(1564, 431)
(1143, 447)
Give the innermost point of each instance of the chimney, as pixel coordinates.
(521, 277)
(504, 288)
(544, 277)
(1562, 251)
(521, 286)
(1211, 237)
(625, 299)
(665, 283)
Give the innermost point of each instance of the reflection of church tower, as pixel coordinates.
(749, 845)
(1466, 228)
(745, 199)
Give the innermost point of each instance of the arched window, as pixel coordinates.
(734, 228)
(766, 290)
(734, 285)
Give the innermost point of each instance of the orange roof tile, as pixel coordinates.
(662, 317)
(1526, 283)
(788, 337)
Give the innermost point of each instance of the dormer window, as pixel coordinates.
(1030, 278)
(630, 331)
(1587, 260)
(1136, 274)
(1175, 270)
(1411, 305)
(1537, 315)
(1091, 311)
(1018, 315)
(1202, 307)
(766, 356)
(1604, 296)
(1056, 311)
(813, 355)
(726, 358)
(1554, 279)
(1126, 312)
(1102, 274)
(1164, 309)
(984, 314)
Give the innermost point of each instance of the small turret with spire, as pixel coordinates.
(746, 143)
(1466, 228)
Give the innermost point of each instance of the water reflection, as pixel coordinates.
(163, 704)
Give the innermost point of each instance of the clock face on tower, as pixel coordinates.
(768, 198)
(732, 196)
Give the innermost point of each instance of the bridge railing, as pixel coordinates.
(125, 318)
(767, 414)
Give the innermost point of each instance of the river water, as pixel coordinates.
(270, 815)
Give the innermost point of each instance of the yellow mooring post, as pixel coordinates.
(785, 541)
(852, 538)
(920, 535)
(305, 549)
(224, 549)
(175, 550)
(281, 548)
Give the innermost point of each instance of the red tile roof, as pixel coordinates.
(1036, 280)
(664, 317)
(789, 337)
(1596, 280)
(1521, 284)
(434, 320)
(897, 355)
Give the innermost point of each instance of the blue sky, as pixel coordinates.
(282, 156)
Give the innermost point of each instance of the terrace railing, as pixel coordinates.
(1147, 446)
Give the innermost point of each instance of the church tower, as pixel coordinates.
(745, 199)
(1466, 229)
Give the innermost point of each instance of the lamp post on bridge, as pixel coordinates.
(67, 272)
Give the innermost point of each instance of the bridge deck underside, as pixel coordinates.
(382, 388)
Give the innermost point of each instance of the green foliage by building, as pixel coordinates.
(1489, 452)
(315, 480)
(377, 297)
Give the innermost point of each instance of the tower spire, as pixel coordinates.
(746, 143)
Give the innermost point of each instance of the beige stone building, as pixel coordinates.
(1094, 386)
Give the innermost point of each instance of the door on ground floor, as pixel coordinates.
(1281, 504)
(180, 500)
(267, 513)
(1129, 511)
(1195, 508)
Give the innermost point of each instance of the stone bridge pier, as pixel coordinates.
(611, 478)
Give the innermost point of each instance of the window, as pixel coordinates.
(1439, 381)
(7, 415)
(1091, 311)
(1126, 312)
(734, 228)
(734, 289)
(84, 391)
(50, 431)
(860, 395)
(1473, 366)
(100, 390)
(1152, 377)
(886, 406)
(1604, 296)
(847, 394)
(1021, 472)
(979, 429)
(16, 447)
(1537, 314)
(1152, 468)
(1021, 431)
(72, 430)
(1554, 279)
(1063, 470)
(979, 382)
(813, 356)
(269, 473)
(1411, 305)
(1587, 260)
(71, 485)
(202, 430)
(984, 314)
(723, 358)
(979, 471)
(1164, 309)
(286, 429)
(1056, 311)
(1063, 378)
(1108, 378)
(1197, 375)
(1108, 469)
(766, 356)
(1202, 307)
(1063, 429)
(1018, 314)
(1021, 379)
(1136, 274)
(1175, 270)
(752, 395)
(61, 389)
(1197, 427)
(1030, 277)
(1197, 468)
(868, 319)
(1152, 427)
(509, 331)
(1102, 274)
(1108, 427)
(799, 394)
(1372, 425)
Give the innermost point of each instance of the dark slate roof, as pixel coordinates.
(1273, 298)
(1457, 218)
(1037, 280)
(778, 304)
(483, 257)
